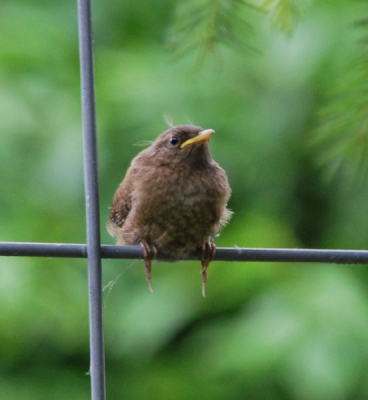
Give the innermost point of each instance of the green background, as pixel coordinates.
(265, 330)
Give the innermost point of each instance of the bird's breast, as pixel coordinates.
(179, 209)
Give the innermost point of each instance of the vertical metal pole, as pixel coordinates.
(97, 366)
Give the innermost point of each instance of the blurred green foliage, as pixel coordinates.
(200, 26)
(265, 330)
(342, 134)
(284, 13)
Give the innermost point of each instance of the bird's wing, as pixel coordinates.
(123, 201)
(121, 205)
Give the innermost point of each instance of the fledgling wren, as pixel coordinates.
(173, 198)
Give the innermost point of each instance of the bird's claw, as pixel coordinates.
(149, 254)
(208, 254)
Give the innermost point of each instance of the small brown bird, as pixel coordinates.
(173, 198)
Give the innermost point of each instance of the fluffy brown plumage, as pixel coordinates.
(173, 198)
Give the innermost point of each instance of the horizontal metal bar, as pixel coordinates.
(61, 250)
(64, 250)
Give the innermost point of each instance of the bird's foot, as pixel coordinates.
(208, 254)
(149, 254)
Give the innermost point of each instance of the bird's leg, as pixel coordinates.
(149, 254)
(208, 253)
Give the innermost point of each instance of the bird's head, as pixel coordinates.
(182, 144)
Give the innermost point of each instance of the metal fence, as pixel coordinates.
(94, 251)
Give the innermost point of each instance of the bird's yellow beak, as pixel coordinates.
(202, 136)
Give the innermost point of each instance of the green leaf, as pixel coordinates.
(201, 26)
(284, 14)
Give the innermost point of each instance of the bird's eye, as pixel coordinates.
(174, 141)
